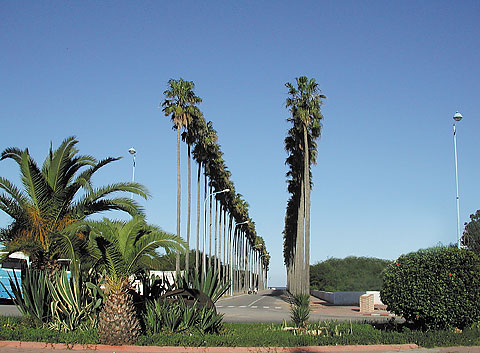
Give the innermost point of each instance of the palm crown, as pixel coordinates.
(54, 197)
(125, 248)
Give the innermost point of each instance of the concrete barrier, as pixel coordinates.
(344, 298)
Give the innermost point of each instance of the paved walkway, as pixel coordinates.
(34, 347)
(323, 310)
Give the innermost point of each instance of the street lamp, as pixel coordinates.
(134, 154)
(457, 117)
(231, 257)
(204, 265)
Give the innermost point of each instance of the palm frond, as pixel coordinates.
(35, 184)
(84, 209)
(12, 153)
(13, 191)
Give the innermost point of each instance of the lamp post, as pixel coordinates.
(204, 265)
(134, 154)
(231, 256)
(457, 117)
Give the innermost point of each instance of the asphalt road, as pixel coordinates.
(266, 306)
(271, 306)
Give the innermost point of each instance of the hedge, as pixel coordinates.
(436, 288)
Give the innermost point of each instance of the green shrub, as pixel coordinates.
(436, 288)
(348, 274)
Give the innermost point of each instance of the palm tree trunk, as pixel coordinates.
(187, 254)
(307, 211)
(205, 191)
(219, 251)
(230, 252)
(210, 228)
(299, 248)
(215, 249)
(177, 261)
(198, 219)
(224, 244)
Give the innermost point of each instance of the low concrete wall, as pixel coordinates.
(344, 298)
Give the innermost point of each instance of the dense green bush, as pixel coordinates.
(434, 288)
(349, 274)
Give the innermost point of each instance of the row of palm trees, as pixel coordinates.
(304, 103)
(239, 255)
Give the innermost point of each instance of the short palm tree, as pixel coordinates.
(123, 249)
(54, 197)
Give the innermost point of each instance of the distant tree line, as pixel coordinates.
(471, 234)
(348, 274)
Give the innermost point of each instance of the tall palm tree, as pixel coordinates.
(204, 137)
(124, 249)
(190, 136)
(54, 197)
(180, 104)
(304, 103)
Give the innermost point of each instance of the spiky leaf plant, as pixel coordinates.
(124, 249)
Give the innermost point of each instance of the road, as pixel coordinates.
(271, 306)
(266, 306)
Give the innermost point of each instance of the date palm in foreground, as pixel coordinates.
(123, 249)
(54, 197)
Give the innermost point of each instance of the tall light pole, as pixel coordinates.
(134, 154)
(204, 265)
(457, 117)
(231, 256)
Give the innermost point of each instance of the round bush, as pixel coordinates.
(436, 288)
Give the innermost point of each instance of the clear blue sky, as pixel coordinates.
(394, 73)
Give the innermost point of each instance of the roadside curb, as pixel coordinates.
(160, 349)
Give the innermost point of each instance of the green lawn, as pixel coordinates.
(259, 335)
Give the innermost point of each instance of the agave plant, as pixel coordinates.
(178, 316)
(211, 285)
(300, 310)
(32, 296)
(74, 303)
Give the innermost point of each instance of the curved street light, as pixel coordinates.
(457, 117)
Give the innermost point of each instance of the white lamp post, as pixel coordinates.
(134, 154)
(457, 117)
(204, 265)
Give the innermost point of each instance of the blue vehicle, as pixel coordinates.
(10, 268)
